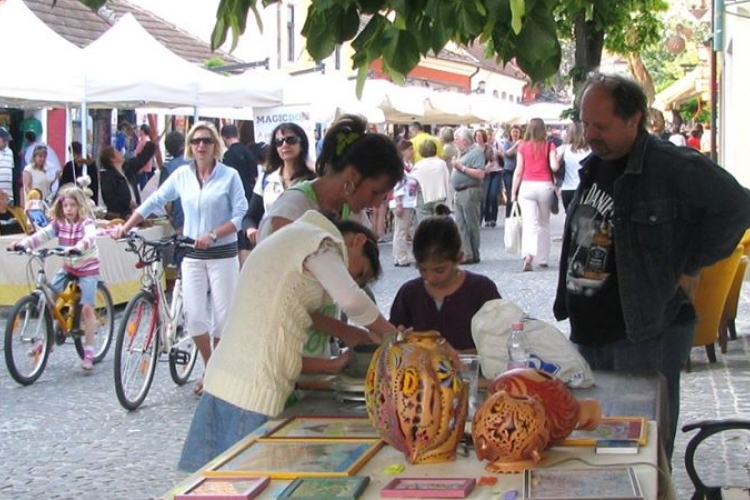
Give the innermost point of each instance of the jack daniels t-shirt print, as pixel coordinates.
(593, 296)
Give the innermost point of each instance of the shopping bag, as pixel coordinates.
(549, 348)
(513, 227)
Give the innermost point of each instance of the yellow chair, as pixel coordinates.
(710, 297)
(727, 328)
(20, 216)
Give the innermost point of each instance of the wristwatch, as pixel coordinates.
(213, 235)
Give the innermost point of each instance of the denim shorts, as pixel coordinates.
(87, 284)
(216, 427)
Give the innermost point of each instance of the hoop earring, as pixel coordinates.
(349, 188)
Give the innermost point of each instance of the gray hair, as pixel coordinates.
(465, 133)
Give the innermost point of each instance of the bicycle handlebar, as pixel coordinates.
(149, 251)
(43, 253)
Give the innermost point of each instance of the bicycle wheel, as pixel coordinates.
(183, 354)
(28, 339)
(104, 314)
(136, 350)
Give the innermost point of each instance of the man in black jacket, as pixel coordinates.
(646, 218)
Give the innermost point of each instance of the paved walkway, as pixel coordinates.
(67, 437)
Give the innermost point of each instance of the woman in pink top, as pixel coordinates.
(534, 189)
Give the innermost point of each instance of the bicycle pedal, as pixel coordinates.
(179, 357)
(76, 332)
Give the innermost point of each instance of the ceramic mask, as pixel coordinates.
(510, 431)
(416, 397)
(564, 412)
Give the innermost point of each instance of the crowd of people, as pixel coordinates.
(285, 248)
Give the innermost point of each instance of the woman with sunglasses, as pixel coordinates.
(286, 164)
(213, 202)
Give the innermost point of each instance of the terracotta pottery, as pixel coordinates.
(416, 398)
(564, 412)
(510, 431)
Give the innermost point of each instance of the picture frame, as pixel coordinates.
(325, 428)
(619, 428)
(287, 459)
(326, 488)
(223, 488)
(425, 487)
(575, 484)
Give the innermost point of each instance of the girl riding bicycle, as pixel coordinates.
(73, 226)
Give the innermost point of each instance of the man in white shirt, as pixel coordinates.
(6, 164)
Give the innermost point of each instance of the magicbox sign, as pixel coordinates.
(266, 119)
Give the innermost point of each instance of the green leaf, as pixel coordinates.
(91, 4)
(518, 11)
(347, 25)
(320, 40)
(402, 51)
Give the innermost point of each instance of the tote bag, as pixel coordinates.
(513, 228)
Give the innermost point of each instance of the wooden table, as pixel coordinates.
(621, 395)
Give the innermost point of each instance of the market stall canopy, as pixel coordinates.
(44, 69)
(160, 78)
(550, 112)
(695, 83)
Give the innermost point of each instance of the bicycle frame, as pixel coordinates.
(47, 296)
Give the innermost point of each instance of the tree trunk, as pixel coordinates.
(641, 74)
(589, 46)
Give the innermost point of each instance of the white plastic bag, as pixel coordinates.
(550, 349)
(513, 228)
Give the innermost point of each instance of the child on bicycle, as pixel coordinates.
(73, 225)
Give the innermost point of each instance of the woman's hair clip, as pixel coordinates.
(343, 140)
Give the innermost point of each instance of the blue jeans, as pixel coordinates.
(508, 186)
(492, 183)
(468, 215)
(216, 427)
(87, 284)
(666, 354)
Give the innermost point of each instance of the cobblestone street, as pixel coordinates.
(67, 437)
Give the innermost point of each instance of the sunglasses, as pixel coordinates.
(205, 140)
(290, 139)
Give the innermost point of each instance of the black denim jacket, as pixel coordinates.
(675, 212)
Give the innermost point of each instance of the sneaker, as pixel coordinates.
(88, 360)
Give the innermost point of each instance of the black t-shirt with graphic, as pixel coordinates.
(593, 296)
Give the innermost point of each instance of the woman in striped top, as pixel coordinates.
(73, 225)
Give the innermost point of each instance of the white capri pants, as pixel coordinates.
(535, 200)
(198, 277)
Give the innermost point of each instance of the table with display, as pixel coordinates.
(619, 395)
(117, 269)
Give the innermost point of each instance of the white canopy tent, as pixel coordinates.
(550, 112)
(161, 79)
(46, 72)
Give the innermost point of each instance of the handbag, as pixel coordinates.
(555, 205)
(513, 230)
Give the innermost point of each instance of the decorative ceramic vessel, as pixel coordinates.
(564, 412)
(510, 431)
(416, 398)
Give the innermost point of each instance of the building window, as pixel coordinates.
(505, 96)
(337, 57)
(290, 32)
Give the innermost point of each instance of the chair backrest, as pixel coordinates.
(730, 309)
(711, 295)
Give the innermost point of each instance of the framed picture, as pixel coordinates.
(326, 488)
(283, 459)
(621, 428)
(577, 484)
(325, 428)
(37, 218)
(408, 487)
(223, 488)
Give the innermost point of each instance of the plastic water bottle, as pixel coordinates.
(518, 347)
